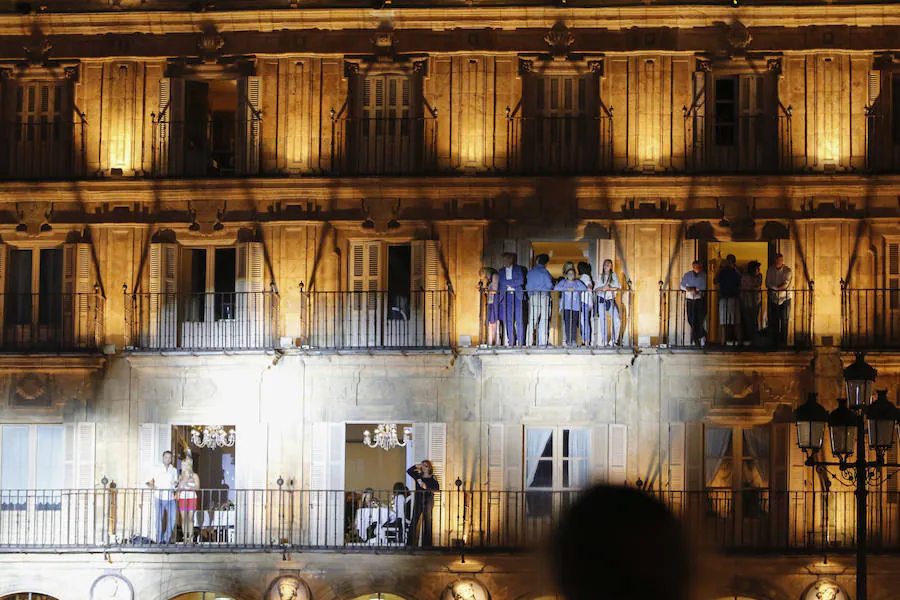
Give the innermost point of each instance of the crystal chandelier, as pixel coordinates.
(386, 437)
(212, 437)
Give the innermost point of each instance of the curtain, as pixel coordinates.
(535, 443)
(49, 471)
(756, 446)
(718, 447)
(576, 449)
(16, 458)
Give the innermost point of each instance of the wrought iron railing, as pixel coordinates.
(208, 321)
(752, 520)
(870, 318)
(548, 319)
(378, 319)
(43, 148)
(758, 320)
(211, 148)
(742, 144)
(559, 145)
(52, 322)
(401, 145)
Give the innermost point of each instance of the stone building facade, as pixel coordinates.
(275, 218)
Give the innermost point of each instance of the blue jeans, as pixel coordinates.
(167, 509)
(609, 307)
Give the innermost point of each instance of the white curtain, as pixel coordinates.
(577, 452)
(718, 444)
(16, 459)
(49, 468)
(756, 445)
(535, 442)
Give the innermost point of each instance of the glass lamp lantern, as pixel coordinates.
(810, 418)
(881, 419)
(860, 381)
(842, 423)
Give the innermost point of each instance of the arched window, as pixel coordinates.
(28, 596)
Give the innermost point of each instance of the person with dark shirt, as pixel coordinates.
(729, 281)
(423, 502)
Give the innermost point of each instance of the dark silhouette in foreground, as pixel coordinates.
(618, 543)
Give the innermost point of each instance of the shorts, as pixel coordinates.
(728, 308)
(187, 504)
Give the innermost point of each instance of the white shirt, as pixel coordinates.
(508, 273)
(164, 478)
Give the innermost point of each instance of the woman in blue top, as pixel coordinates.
(570, 304)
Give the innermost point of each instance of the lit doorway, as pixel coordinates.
(744, 253)
(560, 253)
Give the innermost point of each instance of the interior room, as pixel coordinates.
(560, 253)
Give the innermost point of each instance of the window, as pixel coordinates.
(42, 138)
(210, 276)
(556, 462)
(895, 107)
(725, 111)
(738, 459)
(35, 287)
(31, 458)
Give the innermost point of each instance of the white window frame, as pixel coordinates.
(557, 460)
(51, 501)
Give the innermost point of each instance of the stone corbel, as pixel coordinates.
(703, 66)
(526, 66)
(421, 67)
(37, 53)
(72, 73)
(206, 217)
(210, 43)
(773, 65)
(885, 60)
(384, 42)
(597, 67)
(34, 218)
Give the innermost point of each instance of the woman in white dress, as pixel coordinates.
(606, 289)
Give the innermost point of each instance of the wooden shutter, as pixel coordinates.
(326, 478)
(78, 300)
(430, 443)
(874, 88)
(251, 456)
(786, 248)
(169, 154)
(249, 125)
(892, 274)
(600, 453)
(366, 314)
(676, 457)
(513, 436)
(85, 449)
(694, 450)
(685, 259)
(618, 453)
(606, 249)
(153, 440)
(252, 329)
(163, 301)
(365, 266)
(496, 457)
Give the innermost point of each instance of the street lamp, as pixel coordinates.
(848, 425)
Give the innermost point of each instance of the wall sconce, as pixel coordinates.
(368, 224)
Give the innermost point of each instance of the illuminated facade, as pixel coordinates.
(274, 220)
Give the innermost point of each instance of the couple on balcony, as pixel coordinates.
(580, 299)
(175, 489)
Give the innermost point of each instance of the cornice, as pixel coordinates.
(18, 363)
(449, 18)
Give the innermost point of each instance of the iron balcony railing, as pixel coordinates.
(559, 144)
(215, 147)
(870, 318)
(752, 520)
(206, 321)
(52, 322)
(547, 319)
(758, 320)
(379, 319)
(43, 148)
(740, 144)
(383, 145)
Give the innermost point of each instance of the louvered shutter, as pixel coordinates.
(251, 468)
(79, 303)
(327, 484)
(496, 462)
(874, 89)
(676, 330)
(676, 457)
(893, 275)
(153, 440)
(600, 453)
(618, 453)
(430, 443)
(168, 152)
(697, 134)
(249, 125)
(4, 265)
(252, 329)
(366, 302)
(162, 320)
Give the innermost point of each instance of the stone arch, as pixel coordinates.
(397, 590)
(29, 594)
(212, 593)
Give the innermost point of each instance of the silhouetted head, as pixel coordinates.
(509, 259)
(542, 259)
(619, 543)
(584, 268)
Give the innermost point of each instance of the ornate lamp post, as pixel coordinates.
(848, 425)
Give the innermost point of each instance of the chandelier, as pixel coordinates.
(386, 437)
(212, 437)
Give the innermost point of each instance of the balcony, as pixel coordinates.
(559, 145)
(380, 319)
(761, 324)
(882, 141)
(52, 322)
(544, 324)
(124, 520)
(47, 149)
(741, 144)
(210, 321)
(383, 145)
(870, 318)
(211, 148)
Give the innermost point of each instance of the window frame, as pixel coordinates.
(37, 302)
(557, 459)
(201, 312)
(45, 499)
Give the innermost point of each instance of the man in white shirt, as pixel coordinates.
(164, 478)
(693, 284)
(778, 283)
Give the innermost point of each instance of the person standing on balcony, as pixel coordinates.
(570, 290)
(164, 478)
(188, 484)
(693, 284)
(607, 287)
(778, 283)
(587, 303)
(423, 503)
(751, 302)
(729, 282)
(512, 299)
(489, 285)
(539, 284)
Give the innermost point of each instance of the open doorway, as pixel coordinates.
(210, 126)
(373, 477)
(744, 254)
(560, 253)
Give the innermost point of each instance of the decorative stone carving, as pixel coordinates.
(37, 53)
(559, 41)
(465, 589)
(421, 67)
(72, 73)
(596, 67)
(384, 42)
(112, 587)
(351, 69)
(703, 66)
(738, 37)
(33, 217)
(379, 215)
(32, 390)
(825, 590)
(206, 217)
(773, 65)
(210, 44)
(288, 587)
(525, 66)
